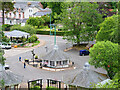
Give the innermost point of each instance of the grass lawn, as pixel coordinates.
(32, 44)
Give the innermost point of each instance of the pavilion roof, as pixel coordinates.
(16, 33)
(85, 78)
(56, 55)
(10, 78)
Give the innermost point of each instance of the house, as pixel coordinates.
(23, 10)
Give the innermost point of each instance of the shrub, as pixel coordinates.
(59, 33)
(36, 57)
(32, 39)
(6, 27)
(27, 28)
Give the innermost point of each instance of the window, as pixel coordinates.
(10, 22)
(58, 62)
(19, 15)
(65, 62)
(52, 63)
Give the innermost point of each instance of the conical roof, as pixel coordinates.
(10, 78)
(56, 55)
(85, 78)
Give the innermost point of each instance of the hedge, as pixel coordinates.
(58, 33)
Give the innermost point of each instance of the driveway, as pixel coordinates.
(31, 73)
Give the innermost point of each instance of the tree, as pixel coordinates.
(56, 9)
(5, 7)
(109, 30)
(106, 55)
(81, 21)
(32, 21)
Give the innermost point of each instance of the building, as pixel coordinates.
(23, 10)
(85, 78)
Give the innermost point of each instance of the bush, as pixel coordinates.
(27, 28)
(58, 33)
(32, 39)
(6, 27)
(36, 57)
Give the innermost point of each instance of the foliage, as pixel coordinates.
(2, 83)
(59, 33)
(56, 9)
(36, 57)
(5, 39)
(27, 28)
(44, 4)
(32, 39)
(6, 27)
(81, 20)
(109, 30)
(106, 55)
(114, 83)
(38, 21)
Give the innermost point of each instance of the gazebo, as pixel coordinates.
(17, 34)
(56, 59)
(86, 78)
(10, 80)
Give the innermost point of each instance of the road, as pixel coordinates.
(30, 73)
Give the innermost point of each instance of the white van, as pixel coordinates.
(5, 45)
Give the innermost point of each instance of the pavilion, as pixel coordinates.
(16, 34)
(86, 78)
(56, 59)
(10, 80)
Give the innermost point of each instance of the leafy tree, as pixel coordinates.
(109, 30)
(32, 21)
(81, 21)
(56, 9)
(6, 7)
(106, 55)
(44, 4)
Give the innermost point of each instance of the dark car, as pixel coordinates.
(84, 52)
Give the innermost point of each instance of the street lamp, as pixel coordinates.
(54, 33)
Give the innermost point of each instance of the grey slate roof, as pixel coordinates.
(10, 78)
(42, 13)
(56, 55)
(24, 5)
(84, 78)
(16, 33)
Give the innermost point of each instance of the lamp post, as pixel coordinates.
(54, 33)
(50, 24)
(33, 54)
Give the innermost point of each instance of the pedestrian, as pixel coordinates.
(24, 64)
(19, 58)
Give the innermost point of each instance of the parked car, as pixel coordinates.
(6, 67)
(5, 45)
(84, 52)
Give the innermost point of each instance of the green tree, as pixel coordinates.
(32, 21)
(5, 7)
(109, 30)
(105, 55)
(81, 21)
(56, 9)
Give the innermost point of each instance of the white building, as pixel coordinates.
(23, 10)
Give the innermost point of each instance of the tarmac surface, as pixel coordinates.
(31, 73)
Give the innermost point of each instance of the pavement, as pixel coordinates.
(31, 73)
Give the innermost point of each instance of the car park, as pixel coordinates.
(84, 52)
